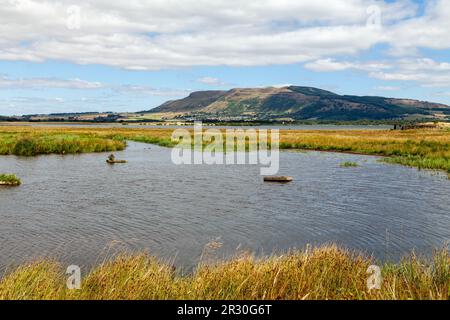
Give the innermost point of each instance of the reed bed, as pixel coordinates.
(327, 272)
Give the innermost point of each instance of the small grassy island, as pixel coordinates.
(349, 165)
(9, 180)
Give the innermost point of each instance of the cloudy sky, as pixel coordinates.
(104, 55)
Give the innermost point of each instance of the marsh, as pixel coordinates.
(77, 209)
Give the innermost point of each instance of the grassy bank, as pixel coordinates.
(9, 180)
(424, 149)
(322, 273)
(38, 142)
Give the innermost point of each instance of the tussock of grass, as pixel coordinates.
(11, 179)
(321, 273)
(349, 165)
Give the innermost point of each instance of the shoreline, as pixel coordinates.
(423, 149)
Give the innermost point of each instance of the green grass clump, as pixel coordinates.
(32, 144)
(9, 179)
(431, 163)
(327, 272)
(160, 141)
(349, 164)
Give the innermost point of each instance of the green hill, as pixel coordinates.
(296, 103)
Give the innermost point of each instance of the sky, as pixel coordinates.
(133, 55)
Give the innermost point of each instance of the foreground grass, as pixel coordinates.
(9, 179)
(423, 149)
(322, 273)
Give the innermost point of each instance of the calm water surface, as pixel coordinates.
(78, 209)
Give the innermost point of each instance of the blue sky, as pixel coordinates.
(98, 56)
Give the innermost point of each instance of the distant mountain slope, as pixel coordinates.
(297, 103)
(196, 101)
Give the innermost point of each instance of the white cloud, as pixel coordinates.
(423, 64)
(32, 83)
(427, 31)
(150, 35)
(431, 80)
(327, 65)
(387, 88)
(211, 81)
(158, 34)
(281, 85)
(147, 90)
(78, 84)
(426, 72)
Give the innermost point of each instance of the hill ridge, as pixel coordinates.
(296, 103)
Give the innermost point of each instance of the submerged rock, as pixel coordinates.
(112, 160)
(116, 161)
(281, 179)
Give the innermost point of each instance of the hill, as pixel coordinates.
(295, 103)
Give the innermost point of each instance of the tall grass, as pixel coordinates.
(36, 143)
(321, 273)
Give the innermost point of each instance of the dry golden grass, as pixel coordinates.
(315, 274)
